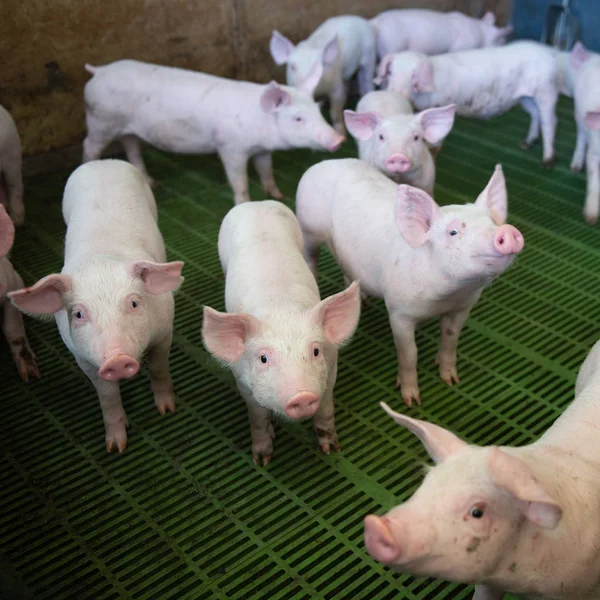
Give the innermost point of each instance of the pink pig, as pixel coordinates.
(424, 260)
(10, 317)
(113, 299)
(278, 338)
(11, 181)
(520, 520)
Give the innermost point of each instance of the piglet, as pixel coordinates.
(521, 520)
(11, 181)
(433, 32)
(332, 54)
(278, 338)
(10, 317)
(396, 141)
(194, 113)
(113, 300)
(483, 84)
(424, 260)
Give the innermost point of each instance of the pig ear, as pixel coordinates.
(361, 125)
(494, 197)
(225, 334)
(579, 55)
(43, 298)
(331, 51)
(339, 314)
(422, 78)
(437, 123)
(415, 211)
(311, 81)
(514, 476)
(591, 120)
(384, 70)
(489, 18)
(439, 442)
(7, 232)
(158, 278)
(281, 48)
(274, 97)
(503, 33)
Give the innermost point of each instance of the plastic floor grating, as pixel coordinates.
(184, 513)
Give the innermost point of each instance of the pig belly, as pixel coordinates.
(485, 104)
(184, 136)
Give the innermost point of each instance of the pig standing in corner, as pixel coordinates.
(194, 113)
(279, 339)
(113, 299)
(332, 54)
(520, 520)
(11, 319)
(483, 84)
(11, 181)
(397, 142)
(425, 261)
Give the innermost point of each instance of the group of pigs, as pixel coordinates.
(509, 519)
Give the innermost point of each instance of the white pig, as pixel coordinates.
(279, 340)
(11, 319)
(333, 53)
(425, 261)
(585, 68)
(194, 113)
(113, 299)
(483, 83)
(396, 141)
(11, 181)
(520, 520)
(433, 32)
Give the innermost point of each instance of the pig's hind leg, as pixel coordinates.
(366, 72)
(160, 376)
(337, 101)
(485, 592)
(450, 325)
(533, 134)
(263, 163)
(14, 332)
(592, 196)
(133, 150)
(14, 189)
(546, 104)
(579, 154)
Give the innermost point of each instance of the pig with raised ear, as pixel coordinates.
(324, 63)
(279, 339)
(396, 141)
(11, 319)
(113, 299)
(521, 520)
(424, 260)
(11, 181)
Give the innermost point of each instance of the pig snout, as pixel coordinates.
(508, 240)
(398, 163)
(379, 540)
(332, 141)
(302, 405)
(118, 366)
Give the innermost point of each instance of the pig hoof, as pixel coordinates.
(449, 375)
(116, 435)
(576, 168)
(328, 441)
(410, 394)
(18, 217)
(590, 219)
(27, 369)
(548, 163)
(152, 182)
(164, 402)
(525, 145)
(274, 193)
(261, 460)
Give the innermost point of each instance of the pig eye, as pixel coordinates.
(298, 119)
(416, 137)
(477, 512)
(263, 359)
(381, 137)
(79, 314)
(316, 352)
(134, 304)
(453, 231)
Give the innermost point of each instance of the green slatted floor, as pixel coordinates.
(184, 513)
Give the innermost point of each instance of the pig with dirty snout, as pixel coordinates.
(113, 299)
(424, 260)
(194, 113)
(513, 520)
(10, 318)
(11, 180)
(400, 144)
(279, 339)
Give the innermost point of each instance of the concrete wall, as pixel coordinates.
(45, 43)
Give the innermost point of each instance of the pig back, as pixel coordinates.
(385, 103)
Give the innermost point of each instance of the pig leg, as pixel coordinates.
(579, 154)
(533, 134)
(263, 163)
(451, 326)
(14, 190)
(406, 350)
(235, 165)
(592, 197)
(14, 332)
(485, 592)
(93, 147)
(546, 104)
(324, 422)
(312, 250)
(366, 72)
(261, 429)
(160, 377)
(363, 297)
(337, 101)
(133, 149)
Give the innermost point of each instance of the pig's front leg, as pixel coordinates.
(261, 429)
(133, 149)
(579, 154)
(263, 163)
(533, 134)
(14, 332)
(337, 101)
(160, 377)
(546, 104)
(450, 325)
(592, 196)
(406, 350)
(324, 423)
(485, 592)
(235, 164)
